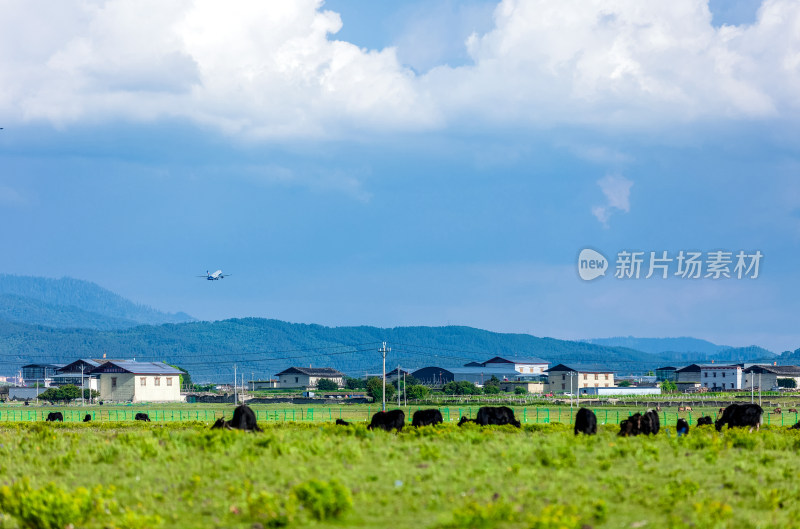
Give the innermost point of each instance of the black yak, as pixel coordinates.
(87, 418)
(55, 416)
(244, 418)
(585, 422)
(388, 420)
(142, 417)
(703, 421)
(647, 423)
(463, 420)
(740, 415)
(426, 418)
(498, 415)
(342, 422)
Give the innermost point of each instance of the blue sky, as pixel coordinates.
(414, 163)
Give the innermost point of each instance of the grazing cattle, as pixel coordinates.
(650, 422)
(630, 426)
(658, 409)
(342, 422)
(463, 420)
(585, 422)
(795, 427)
(792, 410)
(647, 424)
(426, 418)
(682, 427)
(681, 408)
(497, 415)
(687, 408)
(777, 411)
(87, 418)
(55, 416)
(703, 421)
(388, 420)
(142, 417)
(740, 415)
(244, 418)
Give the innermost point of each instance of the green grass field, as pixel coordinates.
(112, 474)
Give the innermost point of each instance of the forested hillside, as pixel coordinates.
(263, 347)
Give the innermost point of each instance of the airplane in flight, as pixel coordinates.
(215, 276)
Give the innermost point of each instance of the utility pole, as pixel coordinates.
(398, 385)
(759, 389)
(752, 394)
(83, 388)
(235, 400)
(253, 380)
(572, 373)
(405, 395)
(383, 352)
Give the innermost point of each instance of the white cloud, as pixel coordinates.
(273, 70)
(617, 190)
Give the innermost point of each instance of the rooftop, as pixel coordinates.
(137, 368)
(313, 372)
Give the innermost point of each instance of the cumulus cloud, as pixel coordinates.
(274, 70)
(617, 190)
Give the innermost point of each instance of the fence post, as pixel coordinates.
(525, 415)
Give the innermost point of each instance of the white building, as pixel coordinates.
(719, 377)
(138, 382)
(619, 390)
(525, 365)
(766, 376)
(307, 377)
(564, 379)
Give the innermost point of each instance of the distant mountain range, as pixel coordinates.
(68, 302)
(47, 320)
(686, 349)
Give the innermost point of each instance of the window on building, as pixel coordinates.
(706, 374)
(563, 386)
(606, 384)
(596, 385)
(143, 381)
(723, 374)
(113, 382)
(606, 379)
(296, 380)
(564, 376)
(156, 381)
(715, 375)
(595, 376)
(585, 376)
(169, 381)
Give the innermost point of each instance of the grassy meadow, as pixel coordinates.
(138, 475)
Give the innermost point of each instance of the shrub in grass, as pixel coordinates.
(324, 499)
(49, 507)
(271, 510)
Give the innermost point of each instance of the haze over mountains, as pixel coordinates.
(58, 320)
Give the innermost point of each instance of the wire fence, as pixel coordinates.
(526, 415)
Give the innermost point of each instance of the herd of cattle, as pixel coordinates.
(647, 423)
